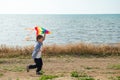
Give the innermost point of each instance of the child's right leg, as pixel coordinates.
(39, 64)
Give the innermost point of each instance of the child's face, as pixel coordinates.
(40, 40)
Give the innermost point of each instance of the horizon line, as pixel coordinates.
(61, 13)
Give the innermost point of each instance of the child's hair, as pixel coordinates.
(39, 37)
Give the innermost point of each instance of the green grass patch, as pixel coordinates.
(81, 75)
(90, 67)
(110, 72)
(2, 61)
(114, 78)
(13, 68)
(1, 74)
(19, 69)
(78, 74)
(17, 79)
(86, 78)
(47, 77)
(115, 67)
(74, 74)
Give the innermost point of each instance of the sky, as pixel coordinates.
(59, 6)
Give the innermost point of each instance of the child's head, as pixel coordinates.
(40, 38)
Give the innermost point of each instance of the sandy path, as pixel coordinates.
(95, 67)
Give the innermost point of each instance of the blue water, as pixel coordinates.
(65, 28)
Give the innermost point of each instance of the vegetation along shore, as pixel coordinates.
(74, 49)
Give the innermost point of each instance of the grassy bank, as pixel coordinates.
(77, 49)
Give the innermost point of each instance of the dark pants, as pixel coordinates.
(38, 64)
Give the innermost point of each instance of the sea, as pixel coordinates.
(65, 28)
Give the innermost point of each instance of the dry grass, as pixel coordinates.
(7, 51)
(77, 49)
(82, 49)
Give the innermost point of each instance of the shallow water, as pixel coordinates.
(64, 28)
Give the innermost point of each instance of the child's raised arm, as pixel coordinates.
(44, 36)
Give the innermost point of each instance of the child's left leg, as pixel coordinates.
(32, 66)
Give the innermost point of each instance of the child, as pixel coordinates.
(36, 55)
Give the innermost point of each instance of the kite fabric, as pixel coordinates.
(40, 30)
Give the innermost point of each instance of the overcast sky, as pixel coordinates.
(59, 6)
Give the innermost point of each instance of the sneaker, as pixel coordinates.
(27, 69)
